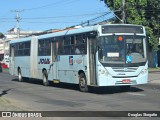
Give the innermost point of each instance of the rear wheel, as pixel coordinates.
(20, 75)
(83, 83)
(45, 78)
(125, 88)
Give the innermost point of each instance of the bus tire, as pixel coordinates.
(125, 88)
(83, 83)
(20, 78)
(45, 78)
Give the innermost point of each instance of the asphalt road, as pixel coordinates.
(33, 96)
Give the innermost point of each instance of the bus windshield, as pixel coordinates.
(122, 49)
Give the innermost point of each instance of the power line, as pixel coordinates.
(50, 17)
(96, 19)
(51, 4)
(44, 22)
(66, 16)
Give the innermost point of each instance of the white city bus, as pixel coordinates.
(99, 55)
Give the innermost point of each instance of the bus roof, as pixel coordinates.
(69, 32)
(60, 33)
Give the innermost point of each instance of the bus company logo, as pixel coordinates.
(44, 61)
(78, 61)
(121, 74)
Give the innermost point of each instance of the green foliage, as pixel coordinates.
(141, 12)
(1, 35)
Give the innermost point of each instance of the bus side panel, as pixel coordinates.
(68, 67)
(23, 64)
(80, 63)
(33, 58)
(44, 63)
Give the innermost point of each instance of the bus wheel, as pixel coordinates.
(20, 75)
(83, 83)
(125, 88)
(45, 78)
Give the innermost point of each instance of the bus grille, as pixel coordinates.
(125, 69)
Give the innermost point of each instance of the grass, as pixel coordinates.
(154, 69)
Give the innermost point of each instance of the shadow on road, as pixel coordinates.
(112, 90)
(4, 92)
(94, 90)
(32, 81)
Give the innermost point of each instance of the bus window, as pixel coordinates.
(44, 47)
(80, 44)
(40, 47)
(47, 47)
(60, 47)
(72, 40)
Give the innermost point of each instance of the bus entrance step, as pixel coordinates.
(56, 81)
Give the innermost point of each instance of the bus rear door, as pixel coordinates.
(55, 59)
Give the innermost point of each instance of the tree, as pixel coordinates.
(1, 35)
(141, 12)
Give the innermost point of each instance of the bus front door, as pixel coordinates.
(91, 45)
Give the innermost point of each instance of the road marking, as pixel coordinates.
(138, 94)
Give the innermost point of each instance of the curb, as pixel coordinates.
(153, 71)
(154, 85)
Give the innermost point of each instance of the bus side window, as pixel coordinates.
(84, 45)
(20, 49)
(47, 47)
(80, 44)
(60, 46)
(66, 50)
(77, 50)
(72, 40)
(27, 48)
(40, 47)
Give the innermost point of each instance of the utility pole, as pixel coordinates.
(17, 20)
(123, 12)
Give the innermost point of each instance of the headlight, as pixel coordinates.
(104, 71)
(143, 71)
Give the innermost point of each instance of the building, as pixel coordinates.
(4, 43)
(1, 50)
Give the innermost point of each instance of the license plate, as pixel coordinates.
(126, 81)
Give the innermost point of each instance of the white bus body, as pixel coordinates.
(52, 57)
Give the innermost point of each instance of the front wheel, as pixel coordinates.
(83, 83)
(45, 78)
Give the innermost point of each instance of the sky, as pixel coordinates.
(49, 14)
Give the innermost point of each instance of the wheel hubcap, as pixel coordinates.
(82, 82)
(44, 78)
(19, 76)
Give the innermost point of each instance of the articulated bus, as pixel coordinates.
(99, 55)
